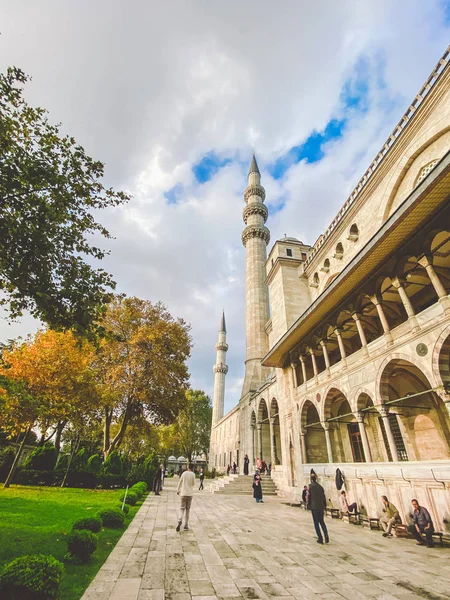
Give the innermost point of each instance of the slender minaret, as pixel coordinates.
(255, 238)
(220, 370)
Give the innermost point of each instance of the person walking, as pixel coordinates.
(201, 477)
(246, 463)
(186, 491)
(158, 481)
(234, 468)
(422, 524)
(257, 489)
(317, 505)
(391, 518)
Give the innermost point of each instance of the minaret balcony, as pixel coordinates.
(255, 190)
(255, 209)
(252, 231)
(222, 346)
(220, 368)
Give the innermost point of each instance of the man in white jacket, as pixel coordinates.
(186, 491)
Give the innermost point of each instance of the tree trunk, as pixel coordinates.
(59, 430)
(16, 459)
(72, 454)
(106, 432)
(117, 440)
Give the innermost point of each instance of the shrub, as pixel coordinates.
(112, 481)
(95, 464)
(137, 491)
(6, 460)
(111, 517)
(90, 523)
(131, 498)
(113, 465)
(31, 477)
(142, 485)
(43, 458)
(81, 544)
(125, 509)
(32, 577)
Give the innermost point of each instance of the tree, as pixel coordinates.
(193, 424)
(55, 369)
(49, 189)
(142, 366)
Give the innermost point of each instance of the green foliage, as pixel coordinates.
(6, 460)
(193, 424)
(90, 523)
(95, 464)
(137, 491)
(111, 518)
(131, 498)
(81, 543)
(49, 190)
(31, 577)
(113, 464)
(125, 509)
(142, 485)
(43, 458)
(140, 471)
(80, 460)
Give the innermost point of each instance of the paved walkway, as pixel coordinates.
(237, 548)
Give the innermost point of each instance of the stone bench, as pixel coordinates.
(370, 522)
(351, 518)
(334, 513)
(442, 536)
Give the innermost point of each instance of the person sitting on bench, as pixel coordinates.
(391, 518)
(347, 508)
(422, 525)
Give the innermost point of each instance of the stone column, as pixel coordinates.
(325, 355)
(253, 428)
(326, 427)
(399, 285)
(303, 446)
(302, 361)
(272, 441)
(341, 346)
(364, 438)
(385, 325)
(314, 363)
(426, 262)
(294, 375)
(362, 336)
(260, 441)
(384, 412)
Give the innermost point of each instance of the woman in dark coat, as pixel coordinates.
(246, 463)
(257, 489)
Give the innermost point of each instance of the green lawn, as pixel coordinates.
(37, 520)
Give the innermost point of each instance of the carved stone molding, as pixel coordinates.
(255, 190)
(255, 209)
(252, 231)
(222, 346)
(220, 368)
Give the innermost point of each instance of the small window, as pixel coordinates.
(272, 262)
(315, 280)
(326, 265)
(289, 252)
(303, 255)
(339, 252)
(354, 233)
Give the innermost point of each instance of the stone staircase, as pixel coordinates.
(241, 485)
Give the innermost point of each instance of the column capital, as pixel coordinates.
(301, 358)
(425, 260)
(310, 350)
(302, 432)
(326, 425)
(356, 316)
(398, 282)
(259, 426)
(383, 410)
(323, 343)
(360, 416)
(375, 299)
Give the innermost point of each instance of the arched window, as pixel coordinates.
(326, 265)
(424, 171)
(354, 233)
(315, 280)
(339, 252)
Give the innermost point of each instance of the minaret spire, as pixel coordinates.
(220, 371)
(255, 238)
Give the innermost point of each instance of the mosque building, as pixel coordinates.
(348, 341)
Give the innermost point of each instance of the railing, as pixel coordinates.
(392, 139)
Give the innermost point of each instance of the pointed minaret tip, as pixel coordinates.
(222, 323)
(254, 166)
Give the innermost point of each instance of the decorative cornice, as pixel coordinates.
(222, 346)
(252, 231)
(255, 209)
(255, 190)
(220, 368)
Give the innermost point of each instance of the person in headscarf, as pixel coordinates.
(246, 463)
(257, 488)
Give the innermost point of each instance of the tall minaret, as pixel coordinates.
(255, 238)
(220, 370)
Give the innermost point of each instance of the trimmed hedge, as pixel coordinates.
(89, 523)
(131, 498)
(111, 518)
(31, 577)
(43, 458)
(141, 485)
(81, 543)
(136, 490)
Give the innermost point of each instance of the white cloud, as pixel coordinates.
(150, 87)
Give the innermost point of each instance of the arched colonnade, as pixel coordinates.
(265, 432)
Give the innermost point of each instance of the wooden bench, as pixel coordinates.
(370, 522)
(351, 518)
(334, 513)
(401, 531)
(442, 536)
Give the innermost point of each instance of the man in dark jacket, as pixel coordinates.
(317, 505)
(422, 524)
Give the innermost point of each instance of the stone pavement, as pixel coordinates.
(237, 548)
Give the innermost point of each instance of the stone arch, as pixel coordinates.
(276, 431)
(263, 431)
(381, 389)
(419, 420)
(339, 250)
(343, 427)
(441, 359)
(432, 135)
(353, 233)
(314, 446)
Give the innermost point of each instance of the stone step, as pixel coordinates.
(242, 486)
